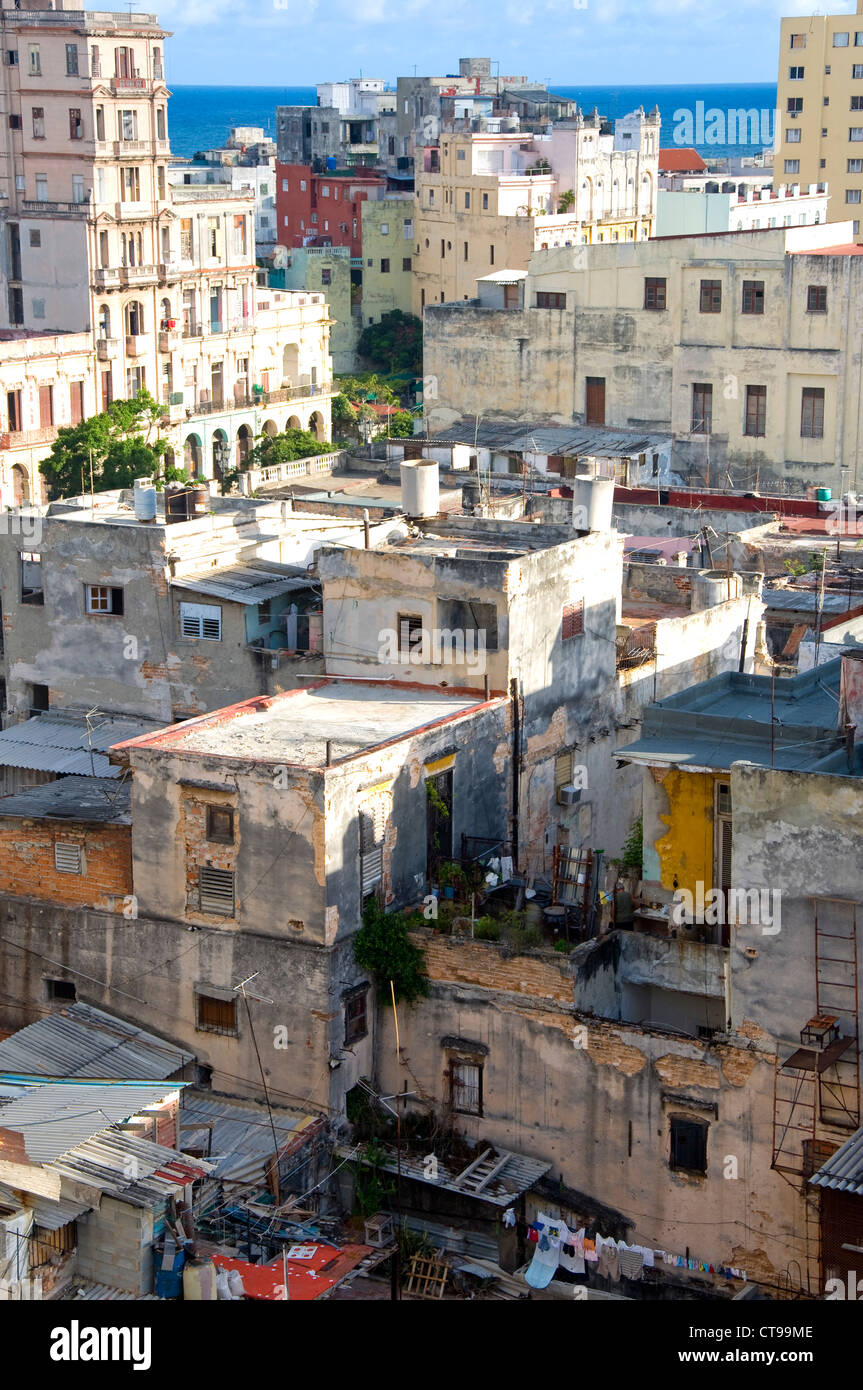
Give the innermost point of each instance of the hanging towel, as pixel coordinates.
(540, 1271)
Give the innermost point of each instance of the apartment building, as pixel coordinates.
(740, 346)
(820, 108)
(342, 127)
(388, 243)
(246, 162)
(325, 205)
(46, 380)
(327, 271)
(486, 201)
(746, 207)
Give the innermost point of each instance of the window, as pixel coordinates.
(793, 136)
(201, 620)
(812, 413)
(213, 237)
(35, 238)
(688, 1144)
(857, 70)
(485, 202)
(572, 621)
(38, 123)
(385, 229)
(220, 825)
(10, 57)
(100, 598)
(702, 407)
(466, 1087)
(372, 829)
(798, 41)
(38, 307)
(852, 195)
(753, 296)
(216, 890)
(326, 276)
(857, 103)
(76, 402)
(756, 410)
(548, 299)
(15, 300)
(796, 74)
(77, 188)
(130, 185)
(216, 1015)
(76, 125)
(654, 293)
(855, 166)
(406, 263)
(467, 200)
(356, 1014)
(792, 166)
(840, 40)
(711, 297)
(160, 123)
(186, 238)
(385, 266)
(15, 123)
(491, 255)
(410, 633)
(68, 859)
(35, 61)
(816, 299)
(46, 406)
(60, 989)
(858, 39)
(794, 106)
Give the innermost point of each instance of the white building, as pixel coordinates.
(696, 210)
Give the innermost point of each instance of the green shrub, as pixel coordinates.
(486, 929)
(383, 948)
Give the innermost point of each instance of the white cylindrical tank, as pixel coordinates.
(145, 500)
(592, 501)
(710, 587)
(420, 487)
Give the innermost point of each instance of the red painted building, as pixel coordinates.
(311, 207)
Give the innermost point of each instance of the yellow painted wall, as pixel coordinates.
(686, 849)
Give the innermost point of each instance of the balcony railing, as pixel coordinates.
(20, 439)
(136, 345)
(105, 348)
(43, 206)
(131, 147)
(107, 275)
(136, 274)
(129, 84)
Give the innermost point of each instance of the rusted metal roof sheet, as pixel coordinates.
(56, 1116)
(65, 745)
(843, 1171)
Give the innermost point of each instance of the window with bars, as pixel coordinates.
(68, 859)
(101, 598)
(753, 297)
(812, 413)
(702, 407)
(466, 1087)
(356, 1014)
(216, 890)
(572, 624)
(654, 292)
(688, 1143)
(410, 633)
(756, 410)
(216, 1015)
(202, 620)
(372, 824)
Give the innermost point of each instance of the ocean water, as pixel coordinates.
(201, 116)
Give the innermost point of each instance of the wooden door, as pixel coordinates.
(594, 413)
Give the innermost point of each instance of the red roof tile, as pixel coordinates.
(683, 161)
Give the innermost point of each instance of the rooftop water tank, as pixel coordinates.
(144, 499)
(592, 501)
(420, 487)
(710, 587)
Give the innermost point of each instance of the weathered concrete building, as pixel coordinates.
(739, 346)
(257, 835)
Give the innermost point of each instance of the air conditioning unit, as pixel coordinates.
(568, 795)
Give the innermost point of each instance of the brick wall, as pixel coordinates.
(484, 963)
(27, 866)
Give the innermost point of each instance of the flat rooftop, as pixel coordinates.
(295, 727)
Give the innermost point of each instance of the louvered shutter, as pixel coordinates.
(372, 830)
(216, 889)
(201, 620)
(68, 859)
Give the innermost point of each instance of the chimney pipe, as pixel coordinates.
(366, 532)
(329, 752)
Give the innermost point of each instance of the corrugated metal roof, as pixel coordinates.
(57, 1116)
(806, 601)
(590, 441)
(82, 1041)
(48, 743)
(240, 1144)
(121, 1164)
(47, 1214)
(106, 1293)
(843, 1171)
(253, 583)
(96, 800)
(517, 1174)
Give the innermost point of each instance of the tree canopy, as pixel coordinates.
(290, 444)
(121, 444)
(395, 344)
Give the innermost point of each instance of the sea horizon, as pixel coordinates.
(199, 121)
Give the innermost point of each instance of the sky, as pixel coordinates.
(301, 42)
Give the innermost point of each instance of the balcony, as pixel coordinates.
(136, 274)
(107, 277)
(106, 348)
(21, 439)
(130, 84)
(192, 330)
(122, 147)
(47, 209)
(136, 345)
(169, 270)
(169, 339)
(126, 212)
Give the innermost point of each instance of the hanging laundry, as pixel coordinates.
(540, 1271)
(508, 1218)
(631, 1262)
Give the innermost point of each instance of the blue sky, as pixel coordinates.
(301, 42)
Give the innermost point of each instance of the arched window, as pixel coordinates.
(134, 318)
(104, 322)
(165, 312)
